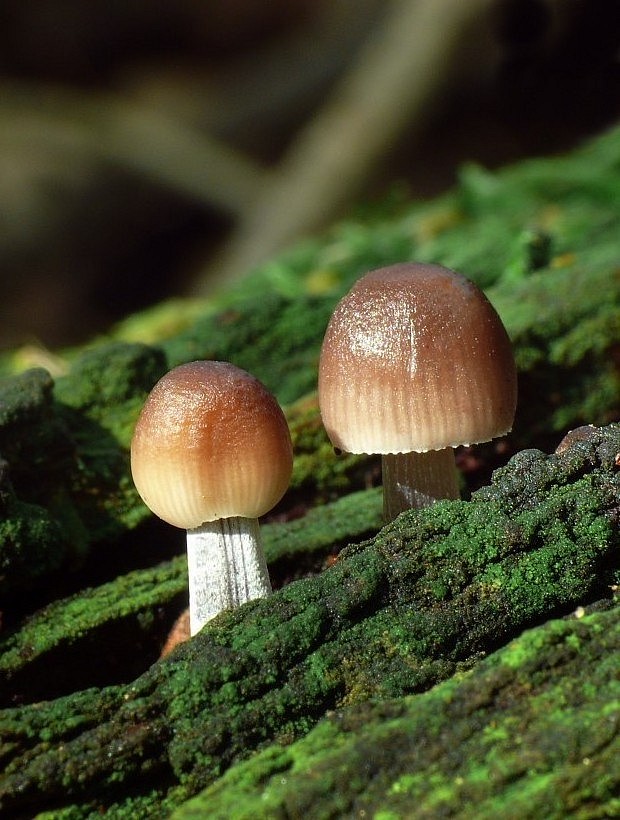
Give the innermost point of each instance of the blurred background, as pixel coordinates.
(151, 149)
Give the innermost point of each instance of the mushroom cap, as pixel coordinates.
(211, 442)
(415, 358)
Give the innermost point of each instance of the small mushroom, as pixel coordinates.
(211, 453)
(415, 361)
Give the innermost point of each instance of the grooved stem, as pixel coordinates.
(415, 480)
(226, 567)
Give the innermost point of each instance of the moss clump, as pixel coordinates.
(421, 602)
(532, 731)
(65, 465)
(32, 544)
(36, 450)
(108, 384)
(36, 447)
(100, 400)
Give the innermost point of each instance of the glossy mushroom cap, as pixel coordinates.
(415, 358)
(211, 442)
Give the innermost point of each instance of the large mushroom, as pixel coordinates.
(415, 361)
(211, 453)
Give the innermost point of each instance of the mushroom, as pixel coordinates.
(212, 452)
(415, 361)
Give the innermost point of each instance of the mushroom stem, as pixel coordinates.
(226, 566)
(416, 480)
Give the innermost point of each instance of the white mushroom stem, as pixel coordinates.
(226, 566)
(416, 480)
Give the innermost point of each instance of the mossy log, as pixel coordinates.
(90, 583)
(532, 731)
(430, 595)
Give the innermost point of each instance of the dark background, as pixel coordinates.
(90, 232)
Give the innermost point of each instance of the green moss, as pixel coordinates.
(371, 628)
(35, 453)
(274, 337)
(351, 517)
(65, 468)
(32, 545)
(70, 633)
(35, 445)
(539, 747)
(108, 385)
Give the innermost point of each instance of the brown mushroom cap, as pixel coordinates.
(415, 358)
(211, 442)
